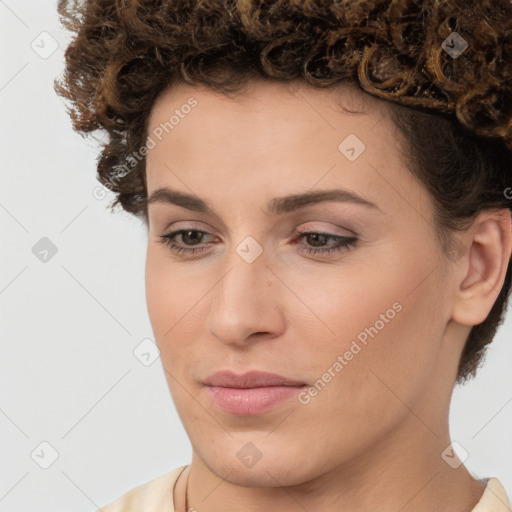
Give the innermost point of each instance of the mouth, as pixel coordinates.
(251, 393)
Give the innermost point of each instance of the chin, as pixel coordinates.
(260, 464)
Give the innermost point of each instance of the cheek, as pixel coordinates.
(388, 327)
(175, 323)
(167, 292)
(174, 299)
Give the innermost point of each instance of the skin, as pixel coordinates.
(372, 438)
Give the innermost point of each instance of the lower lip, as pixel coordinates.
(247, 401)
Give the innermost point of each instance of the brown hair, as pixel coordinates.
(454, 109)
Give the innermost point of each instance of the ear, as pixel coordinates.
(484, 266)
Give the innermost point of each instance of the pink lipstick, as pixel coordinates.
(251, 393)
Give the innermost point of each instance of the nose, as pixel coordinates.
(246, 304)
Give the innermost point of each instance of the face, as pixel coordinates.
(342, 294)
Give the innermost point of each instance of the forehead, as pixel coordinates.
(276, 138)
(284, 119)
(271, 97)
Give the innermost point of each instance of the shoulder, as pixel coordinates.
(494, 498)
(154, 495)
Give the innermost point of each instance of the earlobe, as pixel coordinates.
(484, 266)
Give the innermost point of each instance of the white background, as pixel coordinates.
(68, 327)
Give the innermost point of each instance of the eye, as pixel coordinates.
(316, 238)
(186, 234)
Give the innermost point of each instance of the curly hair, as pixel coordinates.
(445, 67)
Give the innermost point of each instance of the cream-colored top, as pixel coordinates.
(157, 496)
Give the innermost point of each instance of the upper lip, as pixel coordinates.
(252, 379)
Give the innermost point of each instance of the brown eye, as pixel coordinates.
(318, 241)
(188, 236)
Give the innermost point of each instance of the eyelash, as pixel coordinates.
(344, 243)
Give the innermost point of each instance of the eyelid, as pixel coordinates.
(329, 231)
(309, 226)
(189, 225)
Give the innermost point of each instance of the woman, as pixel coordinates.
(329, 234)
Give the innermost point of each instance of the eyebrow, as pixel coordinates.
(275, 206)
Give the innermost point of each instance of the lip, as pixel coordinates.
(251, 393)
(252, 379)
